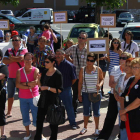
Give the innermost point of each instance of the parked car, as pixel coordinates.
(7, 12)
(124, 18)
(37, 16)
(71, 16)
(118, 12)
(135, 29)
(93, 30)
(21, 11)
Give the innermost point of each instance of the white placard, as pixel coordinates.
(107, 21)
(4, 24)
(60, 17)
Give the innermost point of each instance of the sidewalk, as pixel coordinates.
(16, 131)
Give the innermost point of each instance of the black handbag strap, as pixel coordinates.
(77, 58)
(128, 47)
(17, 62)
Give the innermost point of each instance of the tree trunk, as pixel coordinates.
(97, 14)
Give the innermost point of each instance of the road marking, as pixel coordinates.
(69, 30)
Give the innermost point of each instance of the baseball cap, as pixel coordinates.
(14, 33)
(12, 24)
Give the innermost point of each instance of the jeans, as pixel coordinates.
(11, 87)
(75, 96)
(39, 125)
(87, 106)
(66, 97)
(110, 119)
(25, 106)
(123, 133)
(30, 48)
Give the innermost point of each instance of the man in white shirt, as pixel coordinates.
(128, 45)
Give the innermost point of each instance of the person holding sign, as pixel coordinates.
(90, 86)
(130, 107)
(128, 45)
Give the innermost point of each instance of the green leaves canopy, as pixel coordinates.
(110, 4)
(13, 2)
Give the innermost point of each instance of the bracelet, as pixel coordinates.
(48, 88)
(125, 109)
(26, 83)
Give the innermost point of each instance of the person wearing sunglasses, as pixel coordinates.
(128, 45)
(112, 111)
(51, 83)
(14, 58)
(69, 77)
(130, 105)
(77, 55)
(89, 82)
(114, 54)
(40, 52)
(7, 37)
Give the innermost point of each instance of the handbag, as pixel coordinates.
(36, 98)
(56, 112)
(93, 97)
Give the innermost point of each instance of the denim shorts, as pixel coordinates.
(25, 106)
(103, 67)
(87, 106)
(11, 87)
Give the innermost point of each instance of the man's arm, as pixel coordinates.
(7, 61)
(16, 58)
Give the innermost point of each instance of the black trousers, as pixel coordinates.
(39, 125)
(75, 96)
(2, 107)
(110, 119)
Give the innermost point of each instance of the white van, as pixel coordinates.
(37, 16)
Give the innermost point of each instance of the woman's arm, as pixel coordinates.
(135, 104)
(80, 84)
(120, 52)
(112, 83)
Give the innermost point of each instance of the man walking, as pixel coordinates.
(14, 59)
(69, 77)
(79, 54)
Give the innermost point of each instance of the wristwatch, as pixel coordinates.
(48, 88)
(26, 83)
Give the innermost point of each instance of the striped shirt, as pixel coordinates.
(82, 55)
(91, 81)
(114, 60)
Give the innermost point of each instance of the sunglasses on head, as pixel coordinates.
(47, 62)
(81, 37)
(90, 60)
(115, 42)
(14, 40)
(123, 58)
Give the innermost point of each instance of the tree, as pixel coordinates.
(110, 4)
(13, 2)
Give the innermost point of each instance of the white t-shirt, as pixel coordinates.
(134, 48)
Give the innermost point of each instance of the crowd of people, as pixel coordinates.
(73, 76)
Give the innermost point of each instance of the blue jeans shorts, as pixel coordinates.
(11, 87)
(87, 106)
(25, 106)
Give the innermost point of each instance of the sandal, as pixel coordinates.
(3, 137)
(96, 133)
(83, 131)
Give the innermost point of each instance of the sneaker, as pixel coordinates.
(27, 138)
(74, 127)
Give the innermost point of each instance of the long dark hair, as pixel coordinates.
(51, 57)
(112, 46)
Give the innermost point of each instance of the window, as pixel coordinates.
(38, 1)
(72, 2)
(27, 14)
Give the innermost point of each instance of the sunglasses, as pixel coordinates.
(90, 60)
(123, 58)
(81, 38)
(47, 62)
(14, 40)
(116, 43)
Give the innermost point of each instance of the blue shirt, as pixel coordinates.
(68, 72)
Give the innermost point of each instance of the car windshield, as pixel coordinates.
(135, 31)
(6, 12)
(125, 15)
(77, 30)
(14, 20)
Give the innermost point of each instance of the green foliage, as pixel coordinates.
(110, 4)
(13, 2)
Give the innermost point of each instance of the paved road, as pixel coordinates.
(16, 131)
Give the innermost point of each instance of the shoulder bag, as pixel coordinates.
(56, 112)
(36, 98)
(93, 97)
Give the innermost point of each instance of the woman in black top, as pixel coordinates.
(51, 82)
(130, 104)
(3, 78)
